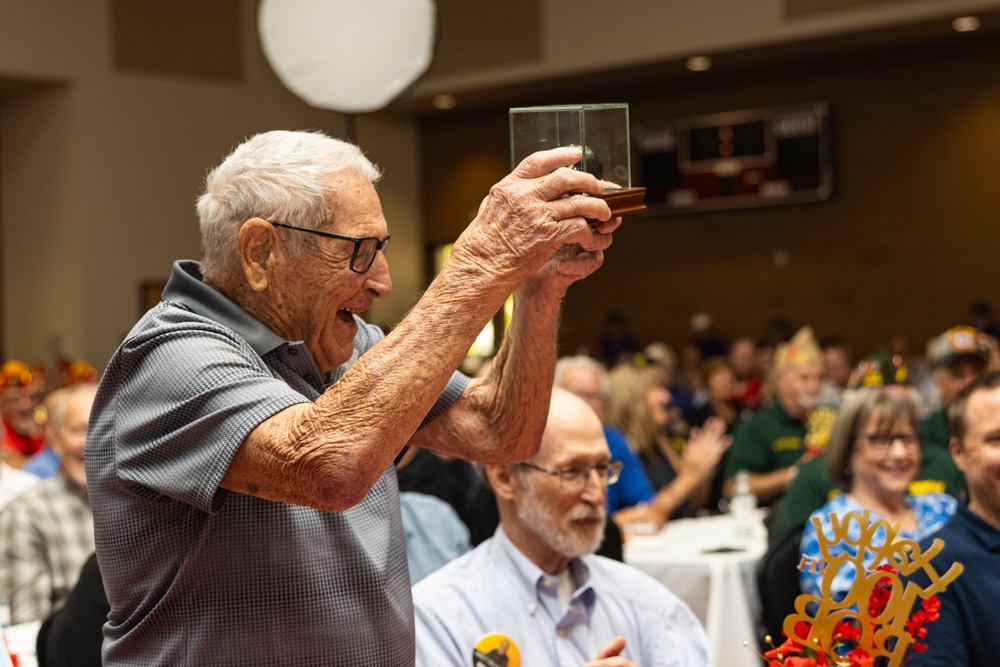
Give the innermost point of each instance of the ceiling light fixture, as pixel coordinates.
(699, 63)
(966, 24)
(444, 101)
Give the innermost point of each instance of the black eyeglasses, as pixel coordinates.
(575, 479)
(882, 442)
(364, 248)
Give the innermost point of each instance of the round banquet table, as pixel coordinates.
(713, 570)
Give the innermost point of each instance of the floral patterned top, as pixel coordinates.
(931, 509)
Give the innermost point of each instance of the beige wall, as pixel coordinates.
(100, 171)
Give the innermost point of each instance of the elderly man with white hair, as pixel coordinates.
(245, 503)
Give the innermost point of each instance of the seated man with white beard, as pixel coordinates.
(534, 593)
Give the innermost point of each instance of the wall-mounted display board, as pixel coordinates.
(738, 159)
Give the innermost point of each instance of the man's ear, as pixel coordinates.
(501, 478)
(957, 453)
(256, 249)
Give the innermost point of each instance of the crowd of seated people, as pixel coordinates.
(819, 435)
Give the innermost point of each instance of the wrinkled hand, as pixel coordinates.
(610, 656)
(705, 447)
(526, 222)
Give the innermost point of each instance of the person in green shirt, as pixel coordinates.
(812, 487)
(959, 356)
(772, 444)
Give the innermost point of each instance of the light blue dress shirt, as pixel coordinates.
(496, 588)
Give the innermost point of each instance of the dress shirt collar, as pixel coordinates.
(185, 288)
(541, 590)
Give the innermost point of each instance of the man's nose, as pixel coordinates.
(595, 489)
(377, 278)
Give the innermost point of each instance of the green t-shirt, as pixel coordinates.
(771, 440)
(935, 431)
(812, 487)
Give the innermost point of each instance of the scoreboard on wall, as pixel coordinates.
(737, 159)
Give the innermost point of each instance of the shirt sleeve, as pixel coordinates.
(186, 398)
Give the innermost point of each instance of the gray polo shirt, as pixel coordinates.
(197, 575)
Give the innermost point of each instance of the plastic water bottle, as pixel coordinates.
(743, 507)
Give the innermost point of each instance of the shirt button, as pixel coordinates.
(310, 379)
(532, 607)
(293, 351)
(561, 632)
(547, 583)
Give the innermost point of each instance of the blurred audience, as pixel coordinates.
(47, 532)
(958, 356)
(838, 362)
(21, 393)
(45, 462)
(665, 358)
(749, 386)
(720, 380)
(13, 481)
(771, 445)
(680, 472)
(812, 487)
(616, 341)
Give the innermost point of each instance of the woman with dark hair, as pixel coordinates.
(874, 452)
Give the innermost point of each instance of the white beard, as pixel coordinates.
(563, 537)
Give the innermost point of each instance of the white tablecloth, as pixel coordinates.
(20, 639)
(705, 564)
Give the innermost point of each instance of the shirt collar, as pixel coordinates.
(531, 579)
(186, 288)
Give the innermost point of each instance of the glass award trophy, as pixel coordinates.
(601, 130)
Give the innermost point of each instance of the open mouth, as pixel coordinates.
(346, 315)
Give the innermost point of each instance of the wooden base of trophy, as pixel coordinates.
(624, 203)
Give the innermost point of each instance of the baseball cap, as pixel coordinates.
(960, 341)
(879, 370)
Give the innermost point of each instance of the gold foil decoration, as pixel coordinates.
(823, 613)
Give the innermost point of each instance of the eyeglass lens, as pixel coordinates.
(365, 251)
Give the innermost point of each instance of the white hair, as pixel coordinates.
(566, 364)
(279, 176)
(57, 416)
